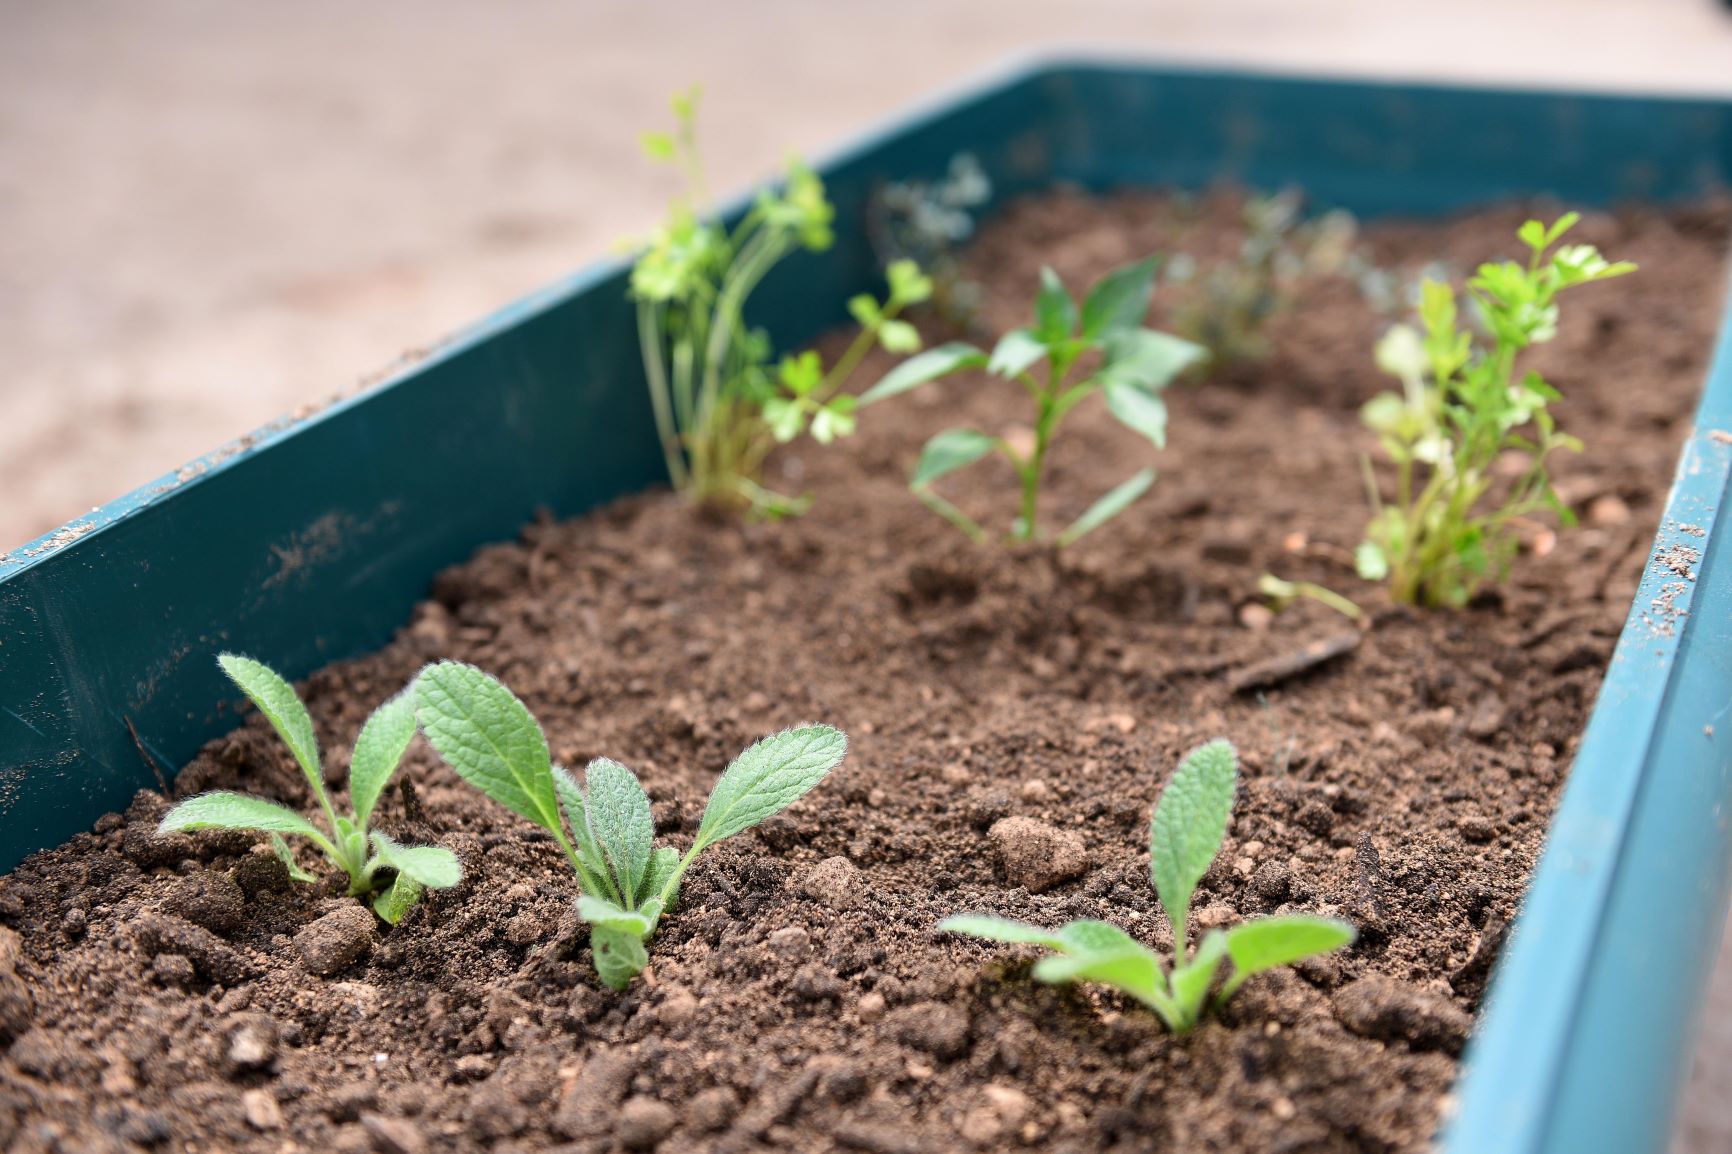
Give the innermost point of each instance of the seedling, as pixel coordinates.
(1283, 593)
(1227, 308)
(720, 405)
(1189, 824)
(926, 221)
(1463, 407)
(490, 738)
(346, 841)
(1136, 365)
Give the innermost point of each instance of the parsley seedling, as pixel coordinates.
(1136, 365)
(1463, 407)
(346, 841)
(493, 742)
(1189, 825)
(720, 406)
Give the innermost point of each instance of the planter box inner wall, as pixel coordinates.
(310, 541)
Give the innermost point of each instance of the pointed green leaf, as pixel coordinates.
(928, 366)
(223, 809)
(619, 955)
(397, 901)
(663, 863)
(489, 737)
(276, 699)
(592, 876)
(899, 337)
(431, 865)
(768, 777)
(1191, 981)
(1266, 943)
(1136, 971)
(1189, 824)
(618, 814)
(949, 451)
(378, 750)
(287, 857)
(1138, 410)
(1088, 936)
(1000, 930)
(601, 912)
(1147, 359)
(1119, 300)
(1110, 505)
(1015, 352)
(1054, 311)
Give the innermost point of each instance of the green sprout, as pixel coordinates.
(1462, 407)
(720, 405)
(346, 841)
(1283, 593)
(626, 886)
(1226, 309)
(1135, 366)
(1189, 825)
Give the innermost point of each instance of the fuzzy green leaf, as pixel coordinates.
(394, 903)
(1015, 353)
(1191, 981)
(378, 749)
(1147, 359)
(489, 737)
(1189, 824)
(1266, 943)
(662, 865)
(1088, 936)
(592, 874)
(287, 857)
(1000, 930)
(949, 451)
(768, 777)
(223, 809)
(432, 866)
(1110, 505)
(928, 366)
(276, 699)
(601, 912)
(1138, 410)
(1119, 300)
(618, 814)
(1135, 970)
(619, 955)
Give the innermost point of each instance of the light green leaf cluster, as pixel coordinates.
(1189, 824)
(604, 823)
(1135, 367)
(1464, 406)
(720, 405)
(345, 840)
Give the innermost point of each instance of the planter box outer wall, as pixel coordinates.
(310, 541)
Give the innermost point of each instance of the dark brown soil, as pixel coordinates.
(152, 993)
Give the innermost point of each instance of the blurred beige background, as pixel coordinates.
(213, 213)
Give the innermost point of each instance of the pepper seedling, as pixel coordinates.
(1189, 825)
(1462, 412)
(604, 825)
(346, 840)
(1136, 365)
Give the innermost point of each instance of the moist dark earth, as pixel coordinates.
(1013, 714)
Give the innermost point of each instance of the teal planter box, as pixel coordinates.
(311, 541)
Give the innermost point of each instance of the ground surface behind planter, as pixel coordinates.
(798, 997)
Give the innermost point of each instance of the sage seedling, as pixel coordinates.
(345, 841)
(1136, 365)
(1461, 408)
(1189, 825)
(603, 824)
(719, 405)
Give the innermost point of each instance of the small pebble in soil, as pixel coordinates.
(999, 1111)
(871, 1007)
(252, 1044)
(1035, 855)
(261, 1110)
(394, 1135)
(643, 1123)
(836, 882)
(175, 971)
(711, 1109)
(209, 899)
(790, 942)
(937, 1028)
(678, 1006)
(262, 871)
(336, 940)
